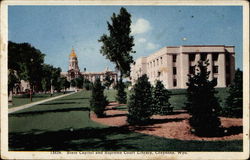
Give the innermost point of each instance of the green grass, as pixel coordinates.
(25, 99)
(177, 98)
(64, 124)
(111, 94)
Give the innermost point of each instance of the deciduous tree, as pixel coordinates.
(108, 80)
(27, 61)
(117, 46)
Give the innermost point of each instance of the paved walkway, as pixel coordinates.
(15, 109)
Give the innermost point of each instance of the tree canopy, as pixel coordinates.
(28, 64)
(98, 101)
(161, 99)
(140, 102)
(202, 104)
(234, 102)
(117, 46)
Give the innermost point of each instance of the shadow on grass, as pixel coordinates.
(121, 108)
(20, 114)
(65, 99)
(68, 139)
(57, 103)
(175, 112)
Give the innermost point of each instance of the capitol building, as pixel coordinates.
(172, 64)
(74, 71)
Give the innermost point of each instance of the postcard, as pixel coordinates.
(124, 79)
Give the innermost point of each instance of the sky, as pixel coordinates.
(54, 30)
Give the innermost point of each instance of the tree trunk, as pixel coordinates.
(10, 98)
(51, 89)
(121, 75)
(31, 91)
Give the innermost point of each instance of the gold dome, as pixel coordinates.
(72, 54)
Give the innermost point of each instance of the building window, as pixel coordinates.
(191, 57)
(203, 56)
(174, 70)
(215, 56)
(174, 58)
(161, 60)
(192, 70)
(215, 69)
(154, 63)
(174, 82)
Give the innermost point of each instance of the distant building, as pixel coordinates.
(172, 64)
(74, 71)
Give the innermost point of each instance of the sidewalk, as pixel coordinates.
(15, 109)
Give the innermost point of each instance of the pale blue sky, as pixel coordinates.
(55, 29)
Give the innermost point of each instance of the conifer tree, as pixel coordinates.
(234, 102)
(161, 99)
(98, 101)
(140, 102)
(202, 104)
(121, 94)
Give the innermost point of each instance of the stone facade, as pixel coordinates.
(172, 64)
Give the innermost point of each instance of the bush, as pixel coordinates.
(202, 104)
(161, 97)
(140, 102)
(98, 101)
(121, 94)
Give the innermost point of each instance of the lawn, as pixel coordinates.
(25, 99)
(177, 97)
(64, 124)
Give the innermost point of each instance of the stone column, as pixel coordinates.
(210, 66)
(222, 70)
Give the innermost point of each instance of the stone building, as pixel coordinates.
(172, 64)
(74, 71)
